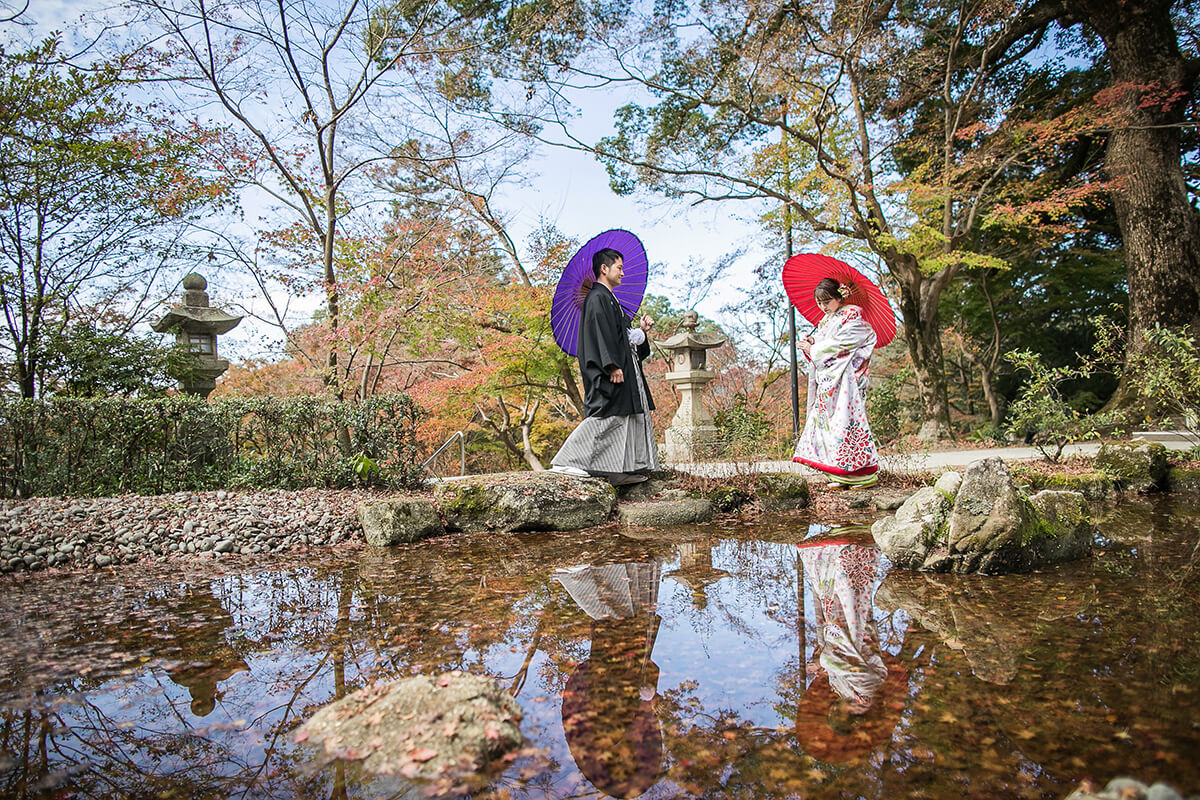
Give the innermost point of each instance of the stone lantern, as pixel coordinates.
(692, 433)
(196, 326)
(696, 571)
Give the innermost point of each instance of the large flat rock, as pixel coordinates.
(421, 727)
(524, 501)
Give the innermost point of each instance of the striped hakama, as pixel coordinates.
(606, 446)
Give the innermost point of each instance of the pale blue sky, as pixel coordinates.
(567, 188)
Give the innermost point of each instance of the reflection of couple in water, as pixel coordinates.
(857, 692)
(608, 709)
(608, 703)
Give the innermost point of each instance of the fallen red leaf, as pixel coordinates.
(422, 754)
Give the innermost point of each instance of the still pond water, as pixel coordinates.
(779, 659)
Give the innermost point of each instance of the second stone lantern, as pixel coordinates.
(692, 435)
(196, 326)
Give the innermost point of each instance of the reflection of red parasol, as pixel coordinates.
(804, 271)
(828, 733)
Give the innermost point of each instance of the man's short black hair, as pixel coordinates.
(605, 257)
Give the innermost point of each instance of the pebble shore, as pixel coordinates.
(80, 533)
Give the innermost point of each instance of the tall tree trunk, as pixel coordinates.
(987, 381)
(527, 418)
(922, 331)
(1161, 230)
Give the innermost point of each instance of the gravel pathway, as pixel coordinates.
(53, 532)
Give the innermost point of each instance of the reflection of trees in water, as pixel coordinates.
(310, 631)
(131, 737)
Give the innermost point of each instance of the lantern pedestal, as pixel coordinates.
(692, 436)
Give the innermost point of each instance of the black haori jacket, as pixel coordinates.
(603, 347)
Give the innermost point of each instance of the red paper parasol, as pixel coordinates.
(804, 271)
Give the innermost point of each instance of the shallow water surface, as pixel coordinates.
(778, 659)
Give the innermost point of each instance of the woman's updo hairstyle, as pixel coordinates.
(827, 289)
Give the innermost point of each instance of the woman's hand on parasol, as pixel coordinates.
(647, 323)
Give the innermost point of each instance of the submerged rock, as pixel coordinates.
(1125, 789)
(421, 727)
(963, 615)
(400, 520)
(1183, 479)
(1138, 466)
(988, 525)
(525, 501)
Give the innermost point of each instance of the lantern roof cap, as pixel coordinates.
(688, 339)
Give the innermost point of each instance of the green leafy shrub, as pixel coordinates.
(1041, 413)
(1163, 373)
(107, 446)
(743, 429)
(884, 406)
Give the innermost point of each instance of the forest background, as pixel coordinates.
(1019, 176)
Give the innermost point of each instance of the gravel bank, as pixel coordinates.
(72, 533)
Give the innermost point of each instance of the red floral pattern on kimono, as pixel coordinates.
(837, 438)
(843, 579)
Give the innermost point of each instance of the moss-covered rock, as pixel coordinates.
(782, 491)
(990, 513)
(1064, 528)
(420, 727)
(524, 501)
(728, 498)
(916, 530)
(1183, 479)
(988, 526)
(1093, 484)
(1137, 466)
(399, 520)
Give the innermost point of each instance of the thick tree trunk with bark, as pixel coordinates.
(919, 310)
(1161, 230)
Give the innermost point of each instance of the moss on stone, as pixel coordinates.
(728, 498)
(468, 500)
(1094, 484)
(1136, 465)
(782, 486)
(1183, 479)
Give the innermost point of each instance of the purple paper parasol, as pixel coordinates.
(567, 306)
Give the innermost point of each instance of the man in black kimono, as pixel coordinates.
(615, 441)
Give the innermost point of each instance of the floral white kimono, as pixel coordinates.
(836, 437)
(844, 578)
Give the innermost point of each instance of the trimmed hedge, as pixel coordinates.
(108, 446)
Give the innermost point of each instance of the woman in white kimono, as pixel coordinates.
(856, 696)
(836, 438)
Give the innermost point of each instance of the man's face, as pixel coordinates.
(614, 273)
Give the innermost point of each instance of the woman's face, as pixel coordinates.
(827, 305)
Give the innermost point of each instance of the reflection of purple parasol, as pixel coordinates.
(577, 278)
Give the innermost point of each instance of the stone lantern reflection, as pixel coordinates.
(196, 326)
(692, 434)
